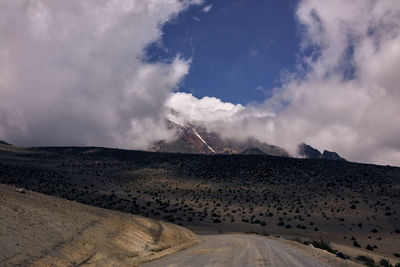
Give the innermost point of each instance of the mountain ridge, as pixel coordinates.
(310, 152)
(4, 143)
(192, 139)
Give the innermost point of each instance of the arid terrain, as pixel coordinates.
(40, 230)
(249, 250)
(353, 206)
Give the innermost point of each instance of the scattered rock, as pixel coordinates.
(20, 190)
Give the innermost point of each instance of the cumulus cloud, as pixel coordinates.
(75, 73)
(344, 96)
(189, 109)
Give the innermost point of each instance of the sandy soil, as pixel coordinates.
(41, 230)
(249, 250)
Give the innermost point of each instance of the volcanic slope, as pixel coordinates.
(349, 204)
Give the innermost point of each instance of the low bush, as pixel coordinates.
(369, 247)
(325, 245)
(367, 260)
(385, 262)
(356, 244)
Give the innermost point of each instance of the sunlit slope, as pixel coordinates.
(41, 230)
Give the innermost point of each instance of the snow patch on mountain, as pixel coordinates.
(203, 141)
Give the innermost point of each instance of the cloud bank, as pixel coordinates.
(344, 96)
(74, 73)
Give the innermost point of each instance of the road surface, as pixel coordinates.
(238, 250)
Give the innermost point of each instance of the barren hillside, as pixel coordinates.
(42, 230)
(349, 204)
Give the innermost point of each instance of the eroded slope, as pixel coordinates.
(41, 230)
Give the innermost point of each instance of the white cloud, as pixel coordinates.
(207, 8)
(72, 72)
(349, 98)
(189, 109)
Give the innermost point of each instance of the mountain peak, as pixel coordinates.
(331, 155)
(4, 143)
(307, 151)
(193, 139)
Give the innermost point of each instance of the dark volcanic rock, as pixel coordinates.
(4, 143)
(331, 155)
(308, 151)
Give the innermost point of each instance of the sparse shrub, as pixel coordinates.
(367, 260)
(385, 262)
(303, 227)
(321, 244)
(397, 255)
(369, 247)
(355, 244)
(216, 221)
(169, 218)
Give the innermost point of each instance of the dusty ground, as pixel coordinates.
(249, 250)
(41, 230)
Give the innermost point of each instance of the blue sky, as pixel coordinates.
(238, 49)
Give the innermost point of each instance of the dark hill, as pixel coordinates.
(331, 155)
(308, 152)
(4, 143)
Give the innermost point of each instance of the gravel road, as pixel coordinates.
(238, 250)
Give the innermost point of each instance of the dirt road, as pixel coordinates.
(239, 250)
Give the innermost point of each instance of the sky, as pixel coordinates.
(238, 48)
(109, 72)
